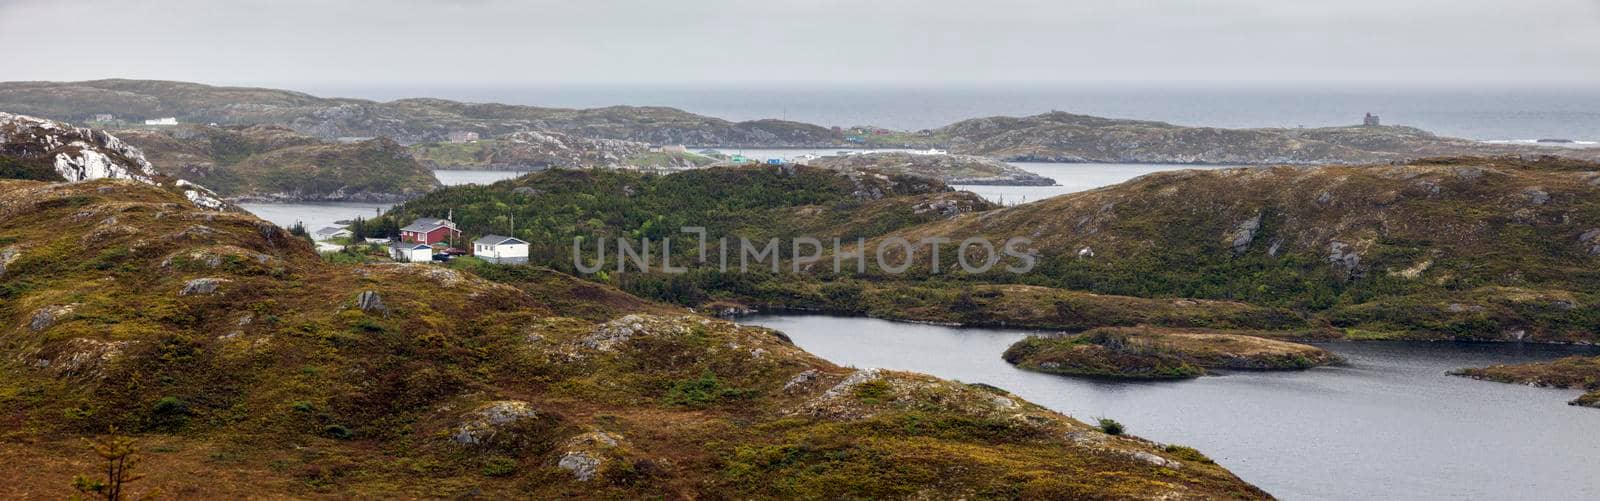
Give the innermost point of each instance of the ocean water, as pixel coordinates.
(1502, 114)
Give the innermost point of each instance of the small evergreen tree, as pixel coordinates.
(358, 230)
(120, 458)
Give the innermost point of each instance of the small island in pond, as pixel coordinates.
(1153, 353)
(1570, 372)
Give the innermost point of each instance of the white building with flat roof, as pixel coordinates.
(500, 249)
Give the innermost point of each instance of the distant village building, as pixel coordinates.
(162, 121)
(330, 233)
(462, 136)
(427, 230)
(409, 252)
(104, 117)
(500, 249)
(1370, 121)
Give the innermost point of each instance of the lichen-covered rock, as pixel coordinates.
(48, 316)
(81, 357)
(800, 380)
(582, 465)
(1591, 240)
(371, 302)
(202, 286)
(1346, 260)
(584, 455)
(213, 257)
(1157, 460)
(1239, 241)
(608, 336)
(491, 420)
(7, 255)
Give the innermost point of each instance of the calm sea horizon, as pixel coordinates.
(1483, 114)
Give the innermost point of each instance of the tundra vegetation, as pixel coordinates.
(227, 346)
(1473, 249)
(267, 163)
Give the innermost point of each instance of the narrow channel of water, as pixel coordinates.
(315, 215)
(1070, 178)
(1389, 425)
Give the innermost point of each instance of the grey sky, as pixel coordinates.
(1531, 42)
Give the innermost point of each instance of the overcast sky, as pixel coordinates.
(489, 42)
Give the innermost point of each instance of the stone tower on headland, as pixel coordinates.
(1370, 121)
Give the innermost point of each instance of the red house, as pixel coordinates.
(428, 230)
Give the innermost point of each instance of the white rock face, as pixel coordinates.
(82, 154)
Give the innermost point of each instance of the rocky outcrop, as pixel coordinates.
(491, 420)
(202, 286)
(1241, 237)
(81, 357)
(371, 302)
(276, 164)
(608, 336)
(47, 316)
(585, 455)
(35, 148)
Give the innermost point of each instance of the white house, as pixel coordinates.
(162, 121)
(330, 233)
(500, 250)
(411, 252)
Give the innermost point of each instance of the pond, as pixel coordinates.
(1388, 425)
(1070, 178)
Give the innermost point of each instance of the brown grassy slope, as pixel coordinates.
(278, 383)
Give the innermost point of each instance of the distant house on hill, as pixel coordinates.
(500, 249)
(427, 230)
(1370, 121)
(162, 121)
(330, 233)
(104, 117)
(408, 252)
(462, 136)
